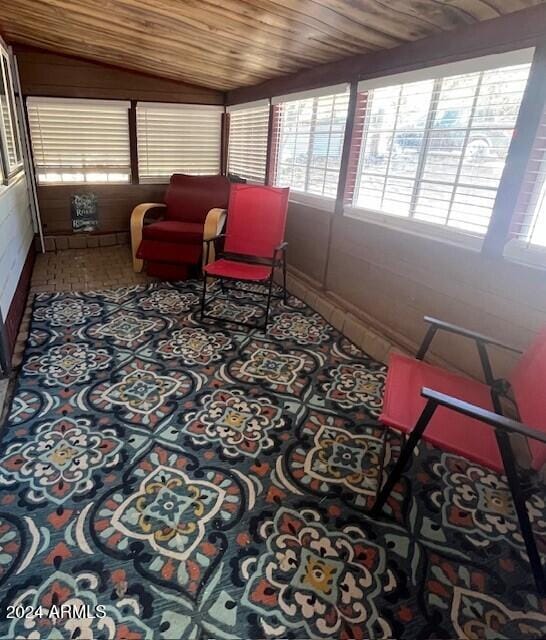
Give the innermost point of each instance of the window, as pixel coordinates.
(434, 149)
(308, 139)
(9, 131)
(529, 224)
(177, 138)
(248, 132)
(79, 141)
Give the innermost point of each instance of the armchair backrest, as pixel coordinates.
(527, 382)
(256, 219)
(190, 198)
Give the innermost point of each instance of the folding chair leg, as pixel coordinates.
(268, 300)
(518, 497)
(386, 438)
(284, 276)
(404, 457)
(203, 295)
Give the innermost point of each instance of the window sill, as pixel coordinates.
(125, 183)
(157, 180)
(419, 228)
(13, 180)
(317, 202)
(520, 252)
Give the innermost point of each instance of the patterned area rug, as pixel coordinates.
(202, 481)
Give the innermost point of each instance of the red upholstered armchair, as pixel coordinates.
(169, 236)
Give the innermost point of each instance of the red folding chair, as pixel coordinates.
(253, 243)
(465, 417)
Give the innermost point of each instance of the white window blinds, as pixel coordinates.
(247, 149)
(529, 223)
(177, 138)
(9, 130)
(434, 150)
(308, 138)
(79, 140)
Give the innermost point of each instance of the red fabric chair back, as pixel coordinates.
(527, 382)
(256, 220)
(190, 198)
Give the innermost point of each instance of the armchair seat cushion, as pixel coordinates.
(459, 434)
(172, 252)
(174, 231)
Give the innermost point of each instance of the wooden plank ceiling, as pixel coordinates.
(223, 44)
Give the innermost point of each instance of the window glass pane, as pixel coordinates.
(537, 235)
(433, 202)
(455, 102)
(397, 196)
(435, 150)
(309, 137)
(394, 136)
(177, 138)
(8, 117)
(529, 223)
(248, 133)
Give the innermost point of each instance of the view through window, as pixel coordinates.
(434, 150)
(248, 133)
(309, 140)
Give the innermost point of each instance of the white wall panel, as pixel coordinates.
(15, 238)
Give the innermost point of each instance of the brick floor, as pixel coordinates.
(77, 270)
(85, 269)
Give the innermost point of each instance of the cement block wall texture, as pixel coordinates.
(395, 278)
(84, 241)
(16, 235)
(307, 231)
(353, 328)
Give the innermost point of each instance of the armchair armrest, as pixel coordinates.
(483, 415)
(214, 238)
(214, 223)
(481, 342)
(462, 331)
(137, 222)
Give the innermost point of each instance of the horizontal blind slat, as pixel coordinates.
(247, 148)
(309, 136)
(529, 223)
(177, 139)
(74, 138)
(435, 149)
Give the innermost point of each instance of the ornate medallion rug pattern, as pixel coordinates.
(208, 481)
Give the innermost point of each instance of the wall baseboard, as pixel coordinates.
(18, 303)
(84, 240)
(375, 340)
(360, 333)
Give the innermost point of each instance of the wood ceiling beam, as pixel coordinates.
(524, 28)
(225, 44)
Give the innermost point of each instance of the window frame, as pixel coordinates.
(83, 170)
(435, 73)
(9, 171)
(231, 110)
(530, 210)
(519, 248)
(318, 201)
(174, 106)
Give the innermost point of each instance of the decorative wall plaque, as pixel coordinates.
(85, 212)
